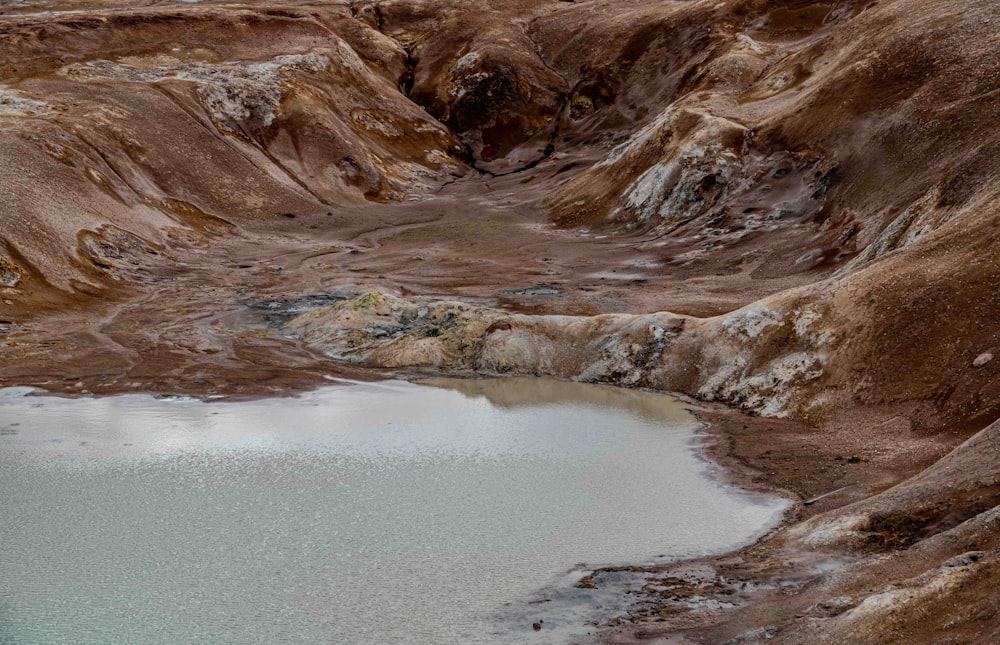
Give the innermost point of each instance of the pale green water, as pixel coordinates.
(386, 513)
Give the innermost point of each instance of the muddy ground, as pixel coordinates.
(787, 211)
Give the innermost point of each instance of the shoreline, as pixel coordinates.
(711, 435)
(776, 458)
(651, 406)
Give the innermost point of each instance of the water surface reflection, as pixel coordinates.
(382, 513)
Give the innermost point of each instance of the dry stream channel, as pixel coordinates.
(392, 512)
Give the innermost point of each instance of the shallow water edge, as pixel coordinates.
(346, 468)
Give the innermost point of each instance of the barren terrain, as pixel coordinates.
(787, 210)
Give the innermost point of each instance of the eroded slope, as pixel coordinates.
(787, 207)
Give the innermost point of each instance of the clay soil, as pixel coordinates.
(786, 211)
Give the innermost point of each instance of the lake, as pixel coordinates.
(391, 512)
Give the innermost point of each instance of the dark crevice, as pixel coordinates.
(377, 22)
(550, 146)
(358, 7)
(407, 85)
(467, 156)
(446, 184)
